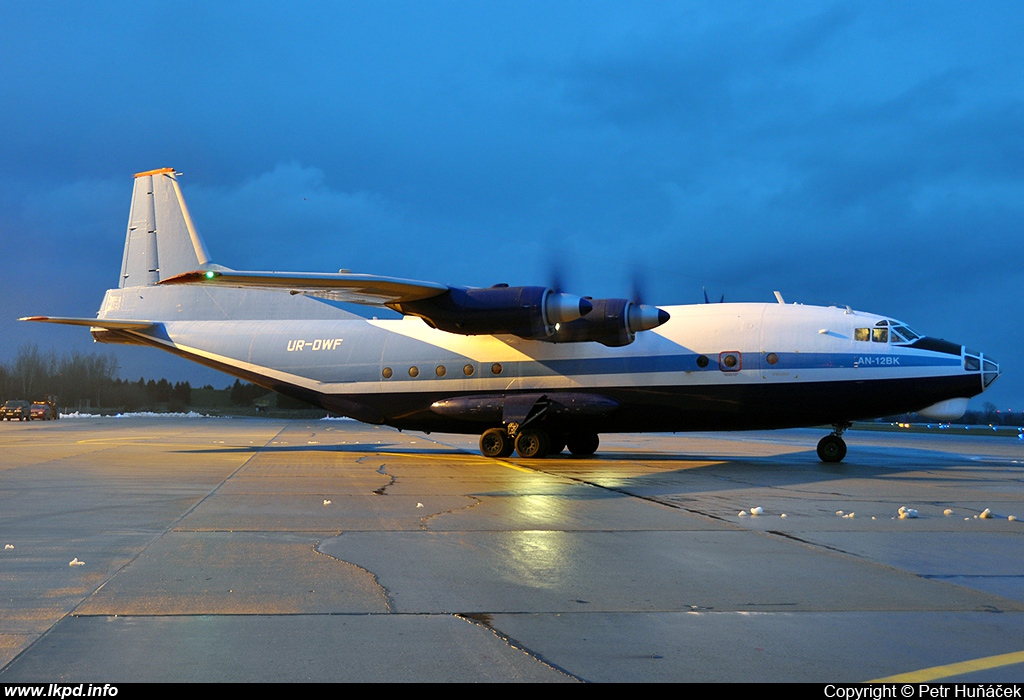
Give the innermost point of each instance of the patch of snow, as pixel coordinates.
(138, 414)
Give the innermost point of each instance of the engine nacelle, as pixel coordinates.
(528, 312)
(613, 322)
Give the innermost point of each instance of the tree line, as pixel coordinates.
(84, 379)
(90, 381)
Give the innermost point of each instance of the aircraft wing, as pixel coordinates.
(533, 313)
(343, 286)
(108, 324)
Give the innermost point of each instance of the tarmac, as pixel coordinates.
(264, 550)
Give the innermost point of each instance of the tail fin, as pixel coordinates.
(162, 240)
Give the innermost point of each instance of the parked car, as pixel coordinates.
(43, 410)
(15, 409)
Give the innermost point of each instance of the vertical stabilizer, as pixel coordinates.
(162, 240)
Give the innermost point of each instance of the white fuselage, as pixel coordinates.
(706, 358)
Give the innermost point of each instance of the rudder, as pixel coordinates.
(162, 240)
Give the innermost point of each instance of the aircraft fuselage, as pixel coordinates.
(711, 366)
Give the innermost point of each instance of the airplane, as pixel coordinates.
(529, 369)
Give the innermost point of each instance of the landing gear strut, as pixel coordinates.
(832, 448)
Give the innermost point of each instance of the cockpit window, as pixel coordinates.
(903, 334)
(885, 331)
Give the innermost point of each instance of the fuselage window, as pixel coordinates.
(880, 335)
(468, 370)
(496, 368)
(863, 334)
(702, 361)
(729, 361)
(386, 373)
(414, 371)
(440, 371)
(771, 358)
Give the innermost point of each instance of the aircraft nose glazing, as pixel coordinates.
(979, 362)
(989, 370)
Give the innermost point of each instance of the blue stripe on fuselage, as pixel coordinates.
(626, 364)
(687, 362)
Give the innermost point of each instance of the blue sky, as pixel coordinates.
(861, 153)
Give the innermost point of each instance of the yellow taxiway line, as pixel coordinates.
(937, 672)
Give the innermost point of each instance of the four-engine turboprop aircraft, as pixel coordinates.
(527, 368)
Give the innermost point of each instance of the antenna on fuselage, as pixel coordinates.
(778, 296)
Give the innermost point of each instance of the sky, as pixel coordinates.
(868, 154)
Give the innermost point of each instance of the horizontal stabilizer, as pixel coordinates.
(345, 286)
(109, 324)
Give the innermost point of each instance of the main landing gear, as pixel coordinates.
(531, 443)
(496, 443)
(832, 448)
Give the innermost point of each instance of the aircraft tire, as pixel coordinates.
(496, 443)
(532, 443)
(831, 449)
(582, 444)
(557, 445)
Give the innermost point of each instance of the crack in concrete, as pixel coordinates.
(427, 518)
(392, 479)
(388, 600)
(485, 621)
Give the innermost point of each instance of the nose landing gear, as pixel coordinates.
(832, 448)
